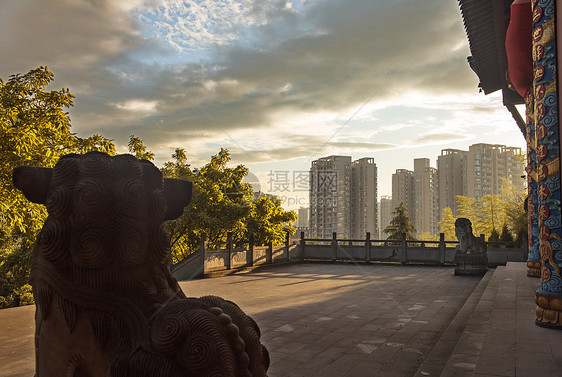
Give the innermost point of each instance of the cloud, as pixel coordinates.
(435, 139)
(69, 35)
(201, 73)
(187, 25)
(306, 150)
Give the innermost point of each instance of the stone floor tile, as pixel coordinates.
(350, 320)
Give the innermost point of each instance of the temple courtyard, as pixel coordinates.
(358, 320)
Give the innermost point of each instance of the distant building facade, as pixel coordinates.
(451, 168)
(363, 192)
(330, 209)
(488, 164)
(478, 172)
(343, 197)
(385, 214)
(426, 206)
(403, 191)
(302, 217)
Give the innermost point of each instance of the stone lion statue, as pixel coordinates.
(468, 242)
(107, 304)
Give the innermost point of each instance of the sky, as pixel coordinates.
(278, 83)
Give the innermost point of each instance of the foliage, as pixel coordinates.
(400, 224)
(484, 214)
(34, 130)
(506, 235)
(447, 224)
(137, 147)
(267, 219)
(494, 235)
(426, 236)
(488, 213)
(222, 203)
(516, 215)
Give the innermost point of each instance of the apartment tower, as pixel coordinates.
(363, 192)
(343, 197)
(488, 164)
(403, 191)
(385, 214)
(426, 210)
(330, 209)
(451, 168)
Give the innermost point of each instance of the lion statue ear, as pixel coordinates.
(177, 193)
(33, 181)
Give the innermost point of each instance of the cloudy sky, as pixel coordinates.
(278, 83)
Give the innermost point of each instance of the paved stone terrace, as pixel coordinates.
(350, 320)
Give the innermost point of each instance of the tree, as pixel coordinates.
(268, 221)
(447, 224)
(490, 211)
(400, 224)
(492, 214)
(426, 236)
(516, 215)
(222, 203)
(506, 235)
(471, 209)
(137, 147)
(494, 235)
(34, 130)
(219, 204)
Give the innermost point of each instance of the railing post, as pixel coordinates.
(269, 253)
(404, 249)
(334, 246)
(368, 247)
(227, 262)
(203, 248)
(442, 248)
(250, 252)
(287, 245)
(302, 245)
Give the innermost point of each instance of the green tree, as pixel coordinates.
(268, 221)
(492, 214)
(400, 224)
(494, 235)
(222, 203)
(516, 216)
(506, 235)
(489, 212)
(447, 224)
(137, 147)
(34, 130)
(219, 204)
(426, 236)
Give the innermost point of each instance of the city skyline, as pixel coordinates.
(277, 83)
(343, 192)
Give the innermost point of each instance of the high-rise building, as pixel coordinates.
(302, 217)
(426, 211)
(330, 208)
(477, 172)
(385, 214)
(451, 170)
(403, 191)
(488, 164)
(343, 197)
(364, 198)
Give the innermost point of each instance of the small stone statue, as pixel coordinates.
(468, 242)
(471, 257)
(107, 304)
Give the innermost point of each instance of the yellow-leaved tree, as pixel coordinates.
(34, 130)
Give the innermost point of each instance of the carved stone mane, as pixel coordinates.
(106, 301)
